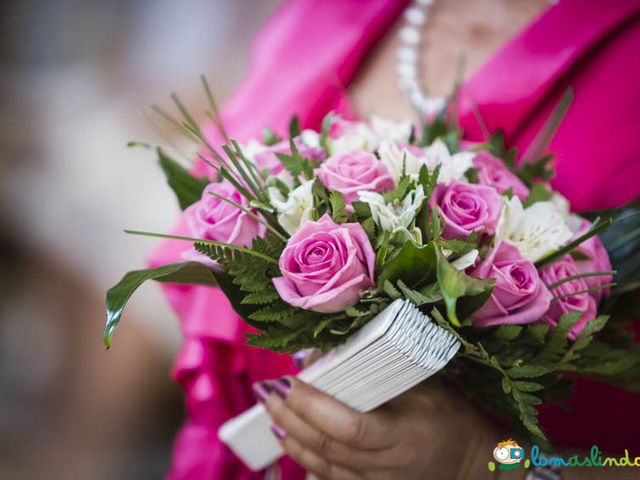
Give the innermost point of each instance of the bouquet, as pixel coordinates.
(313, 235)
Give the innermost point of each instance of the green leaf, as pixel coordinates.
(506, 385)
(269, 137)
(538, 192)
(556, 344)
(187, 188)
(416, 297)
(361, 209)
(338, 207)
(538, 331)
(327, 121)
(547, 132)
(456, 284)
(390, 290)
(428, 180)
(118, 295)
(507, 333)
(294, 127)
(413, 264)
(528, 386)
(529, 370)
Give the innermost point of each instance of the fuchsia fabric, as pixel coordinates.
(303, 59)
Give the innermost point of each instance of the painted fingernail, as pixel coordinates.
(282, 386)
(261, 390)
(278, 431)
(299, 357)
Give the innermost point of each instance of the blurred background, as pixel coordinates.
(76, 80)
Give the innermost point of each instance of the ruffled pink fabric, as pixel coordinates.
(302, 60)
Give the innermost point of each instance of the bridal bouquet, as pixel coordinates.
(311, 236)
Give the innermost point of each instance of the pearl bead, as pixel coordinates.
(415, 15)
(407, 54)
(406, 70)
(407, 84)
(410, 35)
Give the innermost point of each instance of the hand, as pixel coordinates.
(421, 434)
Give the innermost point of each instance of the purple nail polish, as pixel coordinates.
(299, 357)
(278, 431)
(261, 390)
(282, 386)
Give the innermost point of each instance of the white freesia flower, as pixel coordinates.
(369, 136)
(466, 260)
(562, 204)
(310, 138)
(358, 137)
(399, 160)
(452, 167)
(252, 148)
(536, 230)
(294, 210)
(399, 132)
(397, 216)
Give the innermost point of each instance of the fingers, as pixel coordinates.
(289, 424)
(314, 463)
(333, 418)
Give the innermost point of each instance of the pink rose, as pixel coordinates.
(493, 172)
(518, 296)
(213, 219)
(326, 266)
(572, 300)
(354, 171)
(466, 208)
(267, 159)
(598, 261)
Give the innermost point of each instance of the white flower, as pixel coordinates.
(252, 148)
(466, 260)
(399, 160)
(369, 136)
(357, 137)
(397, 216)
(452, 167)
(562, 204)
(399, 132)
(536, 230)
(294, 210)
(310, 138)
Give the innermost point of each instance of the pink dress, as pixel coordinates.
(303, 60)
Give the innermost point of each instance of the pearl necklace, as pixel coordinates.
(407, 67)
(407, 59)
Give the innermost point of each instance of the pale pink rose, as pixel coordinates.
(466, 208)
(580, 302)
(354, 171)
(598, 261)
(518, 296)
(267, 159)
(213, 219)
(493, 172)
(326, 266)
